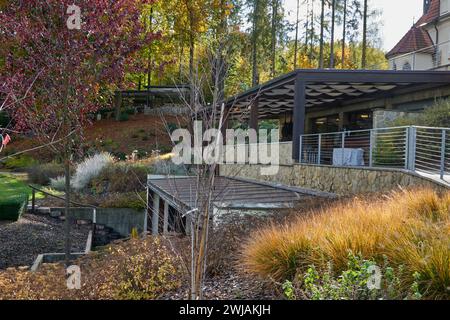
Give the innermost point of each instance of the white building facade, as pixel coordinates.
(426, 46)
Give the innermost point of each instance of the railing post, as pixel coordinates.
(371, 146)
(343, 147)
(94, 216)
(443, 143)
(319, 152)
(411, 149)
(407, 131)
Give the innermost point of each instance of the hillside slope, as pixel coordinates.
(144, 133)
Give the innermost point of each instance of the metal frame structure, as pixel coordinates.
(303, 91)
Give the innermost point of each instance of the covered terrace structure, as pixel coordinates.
(317, 101)
(151, 97)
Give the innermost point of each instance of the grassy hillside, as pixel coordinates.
(140, 132)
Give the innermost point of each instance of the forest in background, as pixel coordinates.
(253, 41)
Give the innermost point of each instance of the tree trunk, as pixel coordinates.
(311, 44)
(296, 36)
(149, 70)
(67, 206)
(344, 34)
(333, 21)
(180, 71)
(191, 71)
(307, 31)
(322, 27)
(274, 36)
(255, 32)
(364, 42)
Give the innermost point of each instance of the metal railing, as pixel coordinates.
(421, 149)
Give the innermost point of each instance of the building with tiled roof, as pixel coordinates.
(426, 46)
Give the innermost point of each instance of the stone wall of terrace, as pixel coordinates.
(339, 180)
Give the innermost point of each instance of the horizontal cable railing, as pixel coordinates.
(422, 149)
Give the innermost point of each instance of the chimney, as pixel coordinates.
(426, 6)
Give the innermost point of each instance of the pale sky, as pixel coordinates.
(397, 18)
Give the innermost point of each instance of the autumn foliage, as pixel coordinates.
(52, 74)
(410, 229)
(132, 270)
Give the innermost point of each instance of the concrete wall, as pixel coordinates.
(342, 181)
(122, 220)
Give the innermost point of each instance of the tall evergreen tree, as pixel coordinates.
(364, 42)
(322, 30)
(333, 24)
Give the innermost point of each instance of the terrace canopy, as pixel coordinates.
(302, 91)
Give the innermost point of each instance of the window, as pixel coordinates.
(406, 66)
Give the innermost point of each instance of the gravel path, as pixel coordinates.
(22, 241)
(228, 286)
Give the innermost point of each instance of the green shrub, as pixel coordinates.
(20, 162)
(58, 183)
(172, 127)
(437, 115)
(120, 177)
(166, 149)
(130, 111)
(119, 155)
(12, 208)
(362, 280)
(125, 200)
(43, 173)
(387, 153)
(4, 119)
(124, 117)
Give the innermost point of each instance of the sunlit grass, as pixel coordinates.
(409, 228)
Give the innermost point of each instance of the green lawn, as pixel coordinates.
(14, 192)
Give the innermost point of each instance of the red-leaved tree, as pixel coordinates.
(52, 69)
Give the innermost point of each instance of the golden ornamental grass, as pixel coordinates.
(409, 228)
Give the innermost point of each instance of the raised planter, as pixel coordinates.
(58, 257)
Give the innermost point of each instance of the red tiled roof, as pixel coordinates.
(432, 14)
(417, 37)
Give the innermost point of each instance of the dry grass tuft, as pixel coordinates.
(409, 228)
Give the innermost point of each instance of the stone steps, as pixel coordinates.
(103, 234)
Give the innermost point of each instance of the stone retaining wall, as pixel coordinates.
(342, 181)
(121, 220)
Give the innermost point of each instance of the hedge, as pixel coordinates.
(12, 208)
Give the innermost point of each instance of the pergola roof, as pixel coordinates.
(180, 192)
(328, 88)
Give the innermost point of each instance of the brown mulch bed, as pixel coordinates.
(22, 241)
